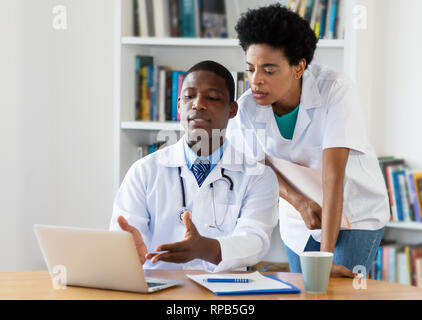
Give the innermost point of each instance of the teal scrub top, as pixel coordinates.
(287, 123)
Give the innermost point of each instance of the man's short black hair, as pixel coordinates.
(218, 69)
(279, 28)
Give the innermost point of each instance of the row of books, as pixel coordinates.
(158, 87)
(145, 150)
(180, 18)
(404, 189)
(399, 263)
(326, 17)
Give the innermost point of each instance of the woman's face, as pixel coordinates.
(271, 77)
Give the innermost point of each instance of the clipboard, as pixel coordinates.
(259, 284)
(307, 180)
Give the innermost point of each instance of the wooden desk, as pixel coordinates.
(37, 285)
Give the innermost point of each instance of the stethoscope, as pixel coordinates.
(217, 226)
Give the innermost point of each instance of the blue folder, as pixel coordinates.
(292, 289)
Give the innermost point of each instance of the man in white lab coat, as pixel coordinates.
(199, 204)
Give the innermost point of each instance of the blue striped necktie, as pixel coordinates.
(200, 171)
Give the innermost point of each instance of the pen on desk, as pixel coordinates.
(227, 280)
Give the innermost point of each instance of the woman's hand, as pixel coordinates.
(310, 211)
(338, 271)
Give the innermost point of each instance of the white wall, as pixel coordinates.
(56, 132)
(389, 72)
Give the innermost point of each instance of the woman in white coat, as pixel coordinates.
(310, 115)
(231, 207)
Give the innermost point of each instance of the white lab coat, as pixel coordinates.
(150, 198)
(329, 116)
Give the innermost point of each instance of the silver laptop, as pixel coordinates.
(95, 258)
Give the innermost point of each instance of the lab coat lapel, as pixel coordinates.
(310, 99)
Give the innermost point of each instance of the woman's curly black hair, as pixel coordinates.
(280, 28)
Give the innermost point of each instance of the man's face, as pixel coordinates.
(204, 104)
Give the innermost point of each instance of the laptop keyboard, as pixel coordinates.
(154, 284)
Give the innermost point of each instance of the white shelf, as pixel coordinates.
(209, 42)
(405, 225)
(150, 125)
(182, 42)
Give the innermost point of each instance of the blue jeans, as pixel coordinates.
(353, 247)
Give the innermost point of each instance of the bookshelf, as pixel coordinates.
(414, 226)
(180, 54)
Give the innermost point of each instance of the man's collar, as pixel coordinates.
(191, 156)
(174, 156)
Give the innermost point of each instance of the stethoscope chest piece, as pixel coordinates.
(215, 225)
(180, 213)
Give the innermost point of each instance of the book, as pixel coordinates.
(392, 255)
(309, 9)
(143, 18)
(418, 264)
(187, 18)
(417, 178)
(397, 196)
(150, 17)
(404, 197)
(331, 19)
(214, 20)
(391, 191)
(151, 71)
(140, 62)
(387, 161)
(378, 264)
(258, 284)
(385, 263)
(322, 18)
(174, 94)
(415, 254)
(162, 94)
(180, 77)
(341, 19)
(174, 18)
(414, 197)
(408, 264)
(301, 10)
(136, 22)
(161, 18)
(315, 9)
(402, 275)
(168, 94)
(293, 5)
(234, 75)
(197, 13)
(145, 101)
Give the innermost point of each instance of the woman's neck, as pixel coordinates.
(290, 101)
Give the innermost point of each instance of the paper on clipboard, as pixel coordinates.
(258, 284)
(307, 180)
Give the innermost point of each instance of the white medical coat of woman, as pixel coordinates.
(150, 198)
(329, 117)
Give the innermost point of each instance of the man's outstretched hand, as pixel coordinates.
(194, 246)
(137, 238)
